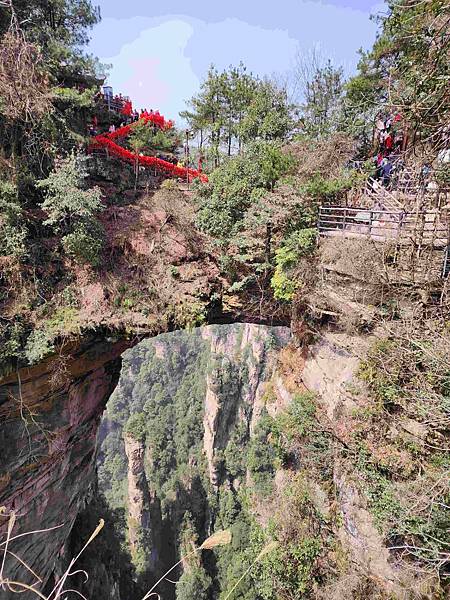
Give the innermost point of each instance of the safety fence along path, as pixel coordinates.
(426, 233)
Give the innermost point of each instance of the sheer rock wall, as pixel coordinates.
(50, 415)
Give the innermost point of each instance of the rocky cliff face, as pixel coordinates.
(144, 509)
(202, 395)
(244, 355)
(50, 415)
(330, 370)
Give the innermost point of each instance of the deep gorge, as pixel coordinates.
(175, 440)
(233, 427)
(202, 387)
(224, 333)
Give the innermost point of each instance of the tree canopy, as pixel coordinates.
(235, 107)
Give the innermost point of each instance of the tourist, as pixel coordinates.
(378, 159)
(388, 142)
(424, 177)
(386, 167)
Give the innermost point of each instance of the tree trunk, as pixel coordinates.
(268, 243)
(136, 172)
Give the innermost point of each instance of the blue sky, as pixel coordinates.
(161, 51)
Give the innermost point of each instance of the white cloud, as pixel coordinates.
(154, 70)
(161, 60)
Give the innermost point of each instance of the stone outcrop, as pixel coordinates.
(50, 415)
(144, 510)
(241, 374)
(330, 370)
(330, 367)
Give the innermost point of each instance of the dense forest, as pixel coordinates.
(311, 200)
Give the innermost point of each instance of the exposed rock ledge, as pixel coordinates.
(50, 415)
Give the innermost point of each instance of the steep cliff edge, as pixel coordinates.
(51, 413)
(190, 399)
(144, 511)
(280, 444)
(380, 454)
(236, 383)
(233, 427)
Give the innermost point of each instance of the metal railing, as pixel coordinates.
(114, 104)
(423, 228)
(426, 233)
(446, 265)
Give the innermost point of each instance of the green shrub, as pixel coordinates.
(299, 244)
(262, 457)
(442, 174)
(236, 185)
(169, 184)
(148, 138)
(136, 427)
(39, 345)
(12, 231)
(85, 243)
(13, 337)
(298, 419)
(322, 189)
(71, 208)
(189, 314)
(67, 198)
(74, 97)
(288, 571)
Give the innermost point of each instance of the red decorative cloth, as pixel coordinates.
(127, 109)
(114, 149)
(107, 142)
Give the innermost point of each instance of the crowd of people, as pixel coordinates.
(123, 107)
(390, 139)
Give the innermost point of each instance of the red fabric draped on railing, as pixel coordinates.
(154, 118)
(101, 141)
(127, 108)
(105, 141)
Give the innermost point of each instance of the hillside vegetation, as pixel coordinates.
(331, 472)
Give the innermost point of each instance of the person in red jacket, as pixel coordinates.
(127, 109)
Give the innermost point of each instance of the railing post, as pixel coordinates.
(370, 222)
(319, 218)
(344, 220)
(444, 267)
